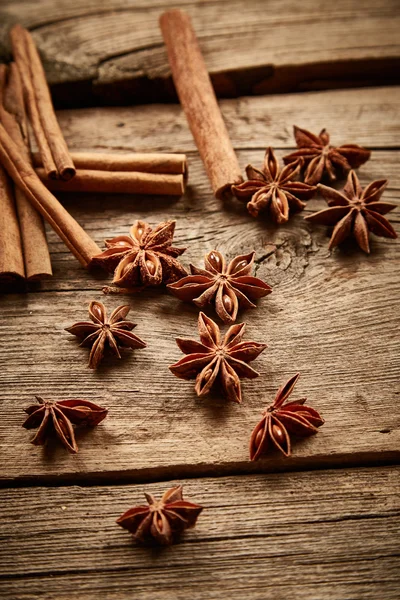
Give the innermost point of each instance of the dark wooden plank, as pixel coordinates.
(116, 50)
(317, 535)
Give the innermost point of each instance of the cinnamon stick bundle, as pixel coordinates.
(134, 161)
(39, 106)
(34, 242)
(118, 182)
(24, 176)
(198, 100)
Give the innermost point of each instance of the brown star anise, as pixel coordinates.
(161, 521)
(58, 417)
(144, 257)
(274, 190)
(355, 212)
(219, 360)
(116, 333)
(279, 420)
(320, 157)
(228, 286)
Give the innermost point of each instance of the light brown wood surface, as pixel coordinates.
(325, 527)
(306, 536)
(333, 317)
(113, 50)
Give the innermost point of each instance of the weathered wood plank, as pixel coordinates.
(307, 536)
(365, 116)
(332, 317)
(115, 49)
(253, 123)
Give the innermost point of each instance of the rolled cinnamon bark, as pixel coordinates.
(24, 176)
(134, 161)
(34, 242)
(198, 100)
(50, 140)
(117, 182)
(11, 259)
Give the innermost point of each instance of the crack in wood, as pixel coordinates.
(157, 474)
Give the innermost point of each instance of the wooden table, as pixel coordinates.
(323, 524)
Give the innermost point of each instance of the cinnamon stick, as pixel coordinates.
(24, 176)
(11, 258)
(134, 161)
(50, 140)
(198, 100)
(34, 242)
(117, 182)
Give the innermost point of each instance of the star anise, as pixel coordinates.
(319, 157)
(228, 286)
(355, 212)
(273, 190)
(214, 359)
(144, 257)
(280, 420)
(162, 521)
(58, 416)
(115, 333)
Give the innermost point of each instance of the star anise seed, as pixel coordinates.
(355, 212)
(227, 286)
(214, 360)
(58, 416)
(319, 157)
(115, 333)
(162, 521)
(274, 190)
(280, 420)
(145, 257)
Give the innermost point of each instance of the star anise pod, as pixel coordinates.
(355, 212)
(162, 521)
(274, 190)
(280, 420)
(213, 359)
(144, 257)
(58, 416)
(228, 286)
(319, 157)
(115, 333)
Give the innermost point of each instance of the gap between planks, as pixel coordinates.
(203, 471)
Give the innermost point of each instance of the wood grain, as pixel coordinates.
(332, 317)
(115, 49)
(311, 536)
(368, 117)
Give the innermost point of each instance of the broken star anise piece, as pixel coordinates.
(355, 212)
(217, 360)
(144, 257)
(58, 416)
(319, 157)
(228, 286)
(280, 420)
(274, 190)
(115, 333)
(162, 521)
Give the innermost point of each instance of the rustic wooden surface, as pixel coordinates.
(112, 51)
(331, 317)
(326, 525)
(327, 534)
